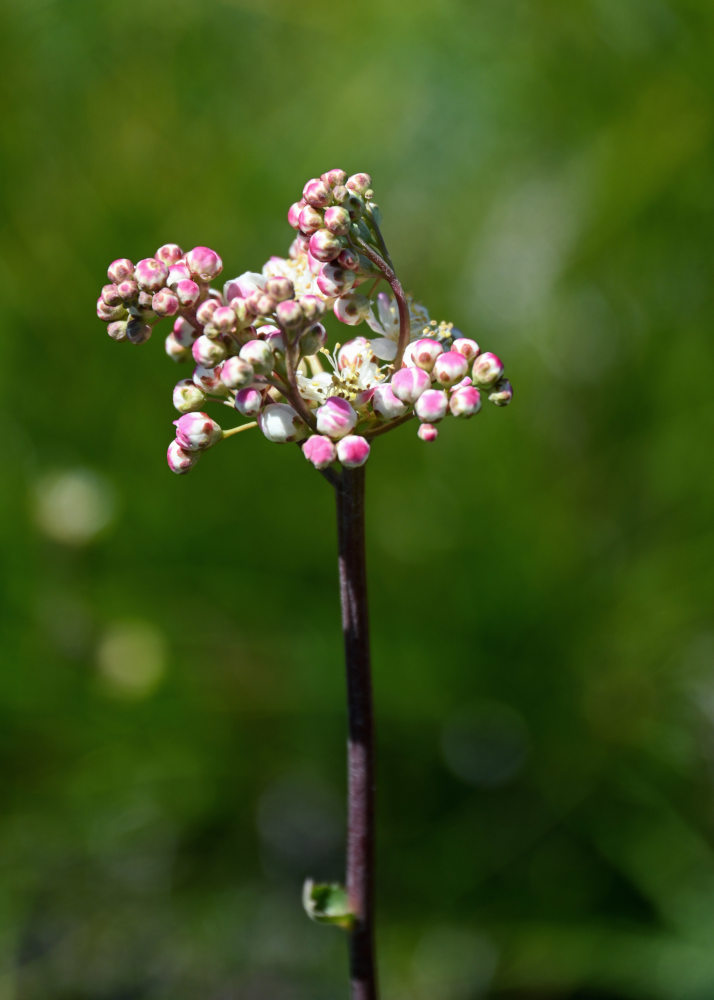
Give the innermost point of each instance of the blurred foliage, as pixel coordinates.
(171, 698)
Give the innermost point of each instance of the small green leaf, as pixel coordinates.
(327, 903)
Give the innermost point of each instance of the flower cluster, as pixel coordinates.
(259, 345)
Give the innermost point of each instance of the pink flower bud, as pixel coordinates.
(237, 373)
(335, 417)
(325, 246)
(279, 289)
(151, 274)
(289, 314)
(431, 406)
(223, 319)
(248, 402)
(386, 405)
(348, 259)
(187, 396)
(294, 215)
(110, 295)
(144, 300)
(117, 330)
(273, 337)
(359, 183)
(427, 432)
(280, 423)
(353, 451)
(187, 292)
(178, 272)
(310, 220)
(127, 290)
(319, 450)
(487, 369)
(169, 253)
(137, 331)
(209, 379)
(469, 348)
(196, 431)
(165, 303)
(208, 352)
(316, 193)
(243, 285)
(184, 332)
(120, 270)
(204, 263)
(465, 401)
(450, 368)
(502, 393)
(351, 309)
(424, 353)
(333, 280)
(334, 177)
(176, 350)
(109, 313)
(312, 307)
(337, 220)
(409, 383)
(258, 354)
(181, 461)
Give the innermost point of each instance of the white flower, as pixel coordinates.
(386, 323)
(354, 371)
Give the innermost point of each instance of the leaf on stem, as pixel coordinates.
(327, 903)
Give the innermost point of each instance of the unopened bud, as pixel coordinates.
(334, 177)
(196, 431)
(223, 319)
(427, 432)
(117, 330)
(258, 354)
(137, 331)
(273, 337)
(335, 417)
(175, 349)
(333, 280)
(237, 373)
(469, 348)
(187, 396)
(487, 369)
(165, 303)
(409, 383)
(294, 214)
(110, 295)
(169, 253)
(351, 309)
(279, 289)
(386, 405)
(178, 272)
(325, 246)
(348, 259)
(312, 307)
(359, 183)
(207, 351)
(353, 451)
(184, 332)
(502, 393)
(209, 379)
(120, 270)
(151, 274)
(289, 314)
(204, 313)
(204, 263)
(280, 423)
(337, 220)
(314, 338)
(248, 402)
(464, 401)
(180, 461)
(310, 220)
(424, 353)
(450, 368)
(431, 406)
(109, 313)
(187, 292)
(128, 290)
(316, 193)
(319, 450)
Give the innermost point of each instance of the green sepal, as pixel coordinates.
(327, 903)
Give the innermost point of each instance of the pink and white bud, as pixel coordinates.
(469, 348)
(184, 332)
(196, 431)
(309, 220)
(223, 319)
(248, 402)
(337, 220)
(352, 309)
(187, 396)
(109, 313)
(289, 314)
(280, 423)
(273, 337)
(424, 353)
(258, 354)
(176, 350)
(487, 369)
(178, 272)
(204, 313)
(312, 307)
(333, 280)
(243, 285)
(386, 405)
(294, 214)
(144, 300)
(353, 451)
(319, 450)
(204, 263)
(349, 259)
(316, 193)
(334, 177)
(427, 432)
(165, 303)
(180, 461)
(137, 331)
(117, 330)
(110, 295)
(359, 183)
(409, 383)
(209, 379)
(236, 373)
(450, 368)
(279, 289)
(127, 290)
(187, 292)
(464, 401)
(335, 417)
(431, 406)
(151, 274)
(502, 393)
(325, 246)
(313, 340)
(120, 270)
(169, 253)
(208, 352)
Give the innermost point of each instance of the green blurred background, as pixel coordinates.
(171, 699)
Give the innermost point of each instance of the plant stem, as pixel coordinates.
(349, 493)
(395, 284)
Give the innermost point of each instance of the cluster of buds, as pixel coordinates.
(259, 345)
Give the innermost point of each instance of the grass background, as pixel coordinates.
(171, 698)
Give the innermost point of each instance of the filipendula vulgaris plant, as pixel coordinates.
(259, 347)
